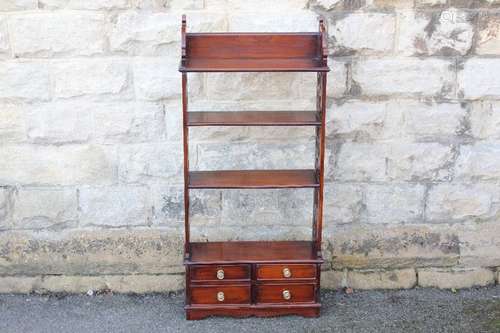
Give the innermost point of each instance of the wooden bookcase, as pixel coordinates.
(259, 278)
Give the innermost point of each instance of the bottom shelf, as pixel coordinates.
(253, 252)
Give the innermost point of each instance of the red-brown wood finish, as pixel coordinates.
(220, 273)
(274, 293)
(286, 272)
(254, 118)
(255, 278)
(234, 294)
(253, 179)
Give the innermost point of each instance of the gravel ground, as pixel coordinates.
(416, 310)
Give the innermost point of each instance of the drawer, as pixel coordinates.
(219, 272)
(286, 272)
(223, 294)
(285, 293)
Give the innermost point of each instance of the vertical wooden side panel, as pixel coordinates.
(186, 163)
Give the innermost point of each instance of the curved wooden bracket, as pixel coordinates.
(183, 37)
(324, 42)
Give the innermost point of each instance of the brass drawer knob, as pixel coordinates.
(286, 294)
(220, 296)
(220, 274)
(287, 272)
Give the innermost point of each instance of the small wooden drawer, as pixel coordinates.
(222, 294)
(220, 272)
(286, 272)
(285, 293)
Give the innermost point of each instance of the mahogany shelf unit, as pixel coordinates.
(255, 278)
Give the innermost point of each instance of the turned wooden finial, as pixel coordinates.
(183, 36)
(324, 43)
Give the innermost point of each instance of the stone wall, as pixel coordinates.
(91, 154)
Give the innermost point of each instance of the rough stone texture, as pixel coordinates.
(44, 208)
(353, 33)
(455, 278)
(403, 76)
(54, 34)
(478, 78)
(448, 32)
(393, 279)
(91, 178)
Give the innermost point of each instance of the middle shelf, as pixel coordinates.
(253, 179)
(253, 118)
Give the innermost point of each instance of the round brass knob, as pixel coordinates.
(287, 295)
(287, 272)
(220, 296)
(220, 274)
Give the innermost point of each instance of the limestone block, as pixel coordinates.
(404, 76)
(380, 279)
(480, 161)
(12, 123)
(24, 80)
(394, 204)
(6, 5)
(455, 278)
(255, 21)
(92, 77)
(479, 78)
(114, 206)
(47, 35)
(343, 203)
(84, 4)
(38, 208)
(4, 37)
(488, 42)
(479, 243)
(485, 120)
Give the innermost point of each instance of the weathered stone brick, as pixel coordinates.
(381, 279)
(153, 4)
(419, 161)
(38, 208)
(338, 70)
(333, 279)
(59, 122)
(405, 161)
(438, 121)
(114, 206)
(488, 40)
(254, 21)
(423, 3)
(158, 33)
(392, 246)
(479, 78)
(4, 38)
(91, 252)
(218, 156)
(6, 5)
(485, 120)
(102, 77)
(364, 121)
(12, 124)
(403, 76)
(448, 202)
(448, 32)
(158, 78)
(455, 278)
(263, 5)
(270, 207)
(51, 165)
(168, 201)
(479, 243)
(83, 4)
(264, 85)
(46, 35)
(353, 33)
(394, 204)
(343, 203)
(17, 284)
(24, 80)
(143, 163)
(480, 161)
(5, 205)
(128, 122)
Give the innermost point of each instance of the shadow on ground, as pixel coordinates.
(416, 310)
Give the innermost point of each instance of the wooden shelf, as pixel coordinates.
(253, 65)
(254, 118)
(253, 179)
(253, 251)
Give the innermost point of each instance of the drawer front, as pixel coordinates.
(285, 293)
(286, 272)
(220, 294)
(220, 272)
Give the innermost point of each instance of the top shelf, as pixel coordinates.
(254, 52)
